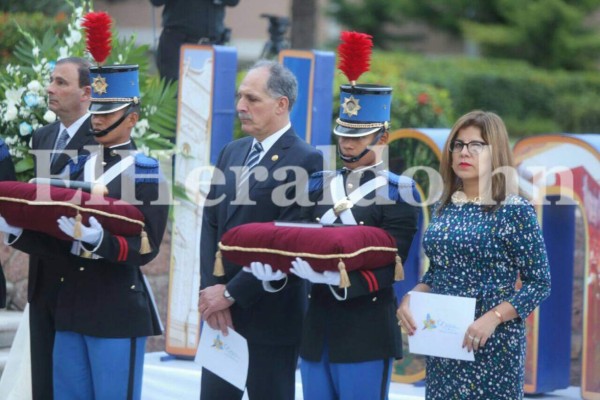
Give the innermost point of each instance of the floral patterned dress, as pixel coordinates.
(480, 254)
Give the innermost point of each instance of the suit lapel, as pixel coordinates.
(77, 142)
(238, 156)
(275, 154)
(273, 157)
(46, 142)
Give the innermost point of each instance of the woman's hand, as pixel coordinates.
(405, 318)
(480, 330)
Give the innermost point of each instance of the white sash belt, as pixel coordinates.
(338, 194)
(114, 171)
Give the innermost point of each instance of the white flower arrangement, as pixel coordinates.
(23, 97)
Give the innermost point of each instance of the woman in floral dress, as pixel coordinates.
(481, 239)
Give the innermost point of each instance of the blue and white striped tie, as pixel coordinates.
(61, 143)
(252, 160)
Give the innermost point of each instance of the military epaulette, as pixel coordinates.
(4, 153)
(316, 180)
(401, 187)
(144, 167)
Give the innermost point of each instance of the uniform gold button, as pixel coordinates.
(133, 286)
(81, 268)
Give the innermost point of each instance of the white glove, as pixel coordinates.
(9, 229)
(303, 270)
(264, 272)
(89, 234)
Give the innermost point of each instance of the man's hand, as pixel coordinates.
(264, 272)
(89, 234)
(9, 229)
(220, 320)
(212, 300)
(303, 270)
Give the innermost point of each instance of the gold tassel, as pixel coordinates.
(399, 271)
(145, 243)
(219, 270)
(344, 278)
(77, 227)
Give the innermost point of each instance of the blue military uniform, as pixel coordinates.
(105, 308)
(350, 336)
(352, 326)
(128, 311)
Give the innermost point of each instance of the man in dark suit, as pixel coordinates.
(69, 94)
(184, 21)
(7, 173)
(243, 191)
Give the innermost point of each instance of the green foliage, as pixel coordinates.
(23, 107)
(530, 100)
(578, 112)
(35, 23)
(406, 153)
(547, 33)
(48, 7)
(374, 17)
(414, 104)
(448, 15)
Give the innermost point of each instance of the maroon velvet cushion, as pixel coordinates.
(358, 246)
(37, 207)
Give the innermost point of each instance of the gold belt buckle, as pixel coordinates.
(83, 253)
(341, 206)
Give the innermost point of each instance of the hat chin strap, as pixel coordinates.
(118, 122)
(354, 159)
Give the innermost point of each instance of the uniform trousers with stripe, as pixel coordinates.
(324, 380)
(96, 368)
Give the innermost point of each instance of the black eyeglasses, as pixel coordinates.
(474, 147)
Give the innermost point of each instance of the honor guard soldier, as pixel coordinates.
(105, 307)
(353, 332)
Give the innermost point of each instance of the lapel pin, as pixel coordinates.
(275, 158)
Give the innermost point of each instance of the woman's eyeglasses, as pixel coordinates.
(474, 147)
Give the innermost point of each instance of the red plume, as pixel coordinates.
(98, 35)
(354, 54)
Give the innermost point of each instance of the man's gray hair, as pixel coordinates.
(281, 82)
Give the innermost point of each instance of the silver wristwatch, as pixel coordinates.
(228, 296)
